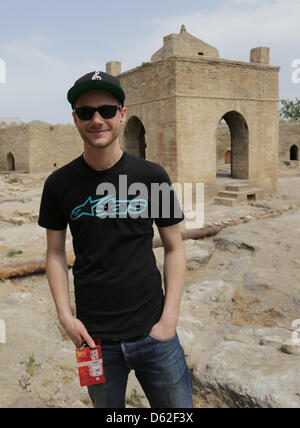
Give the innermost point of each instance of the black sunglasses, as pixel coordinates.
(106, 111)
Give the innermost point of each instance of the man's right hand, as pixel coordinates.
(77, 332)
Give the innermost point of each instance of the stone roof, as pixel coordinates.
(10, 120)
(184, 44)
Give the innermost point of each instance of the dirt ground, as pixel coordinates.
(37, 362)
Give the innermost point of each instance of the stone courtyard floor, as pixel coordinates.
(241, 298)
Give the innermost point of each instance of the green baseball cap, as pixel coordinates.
(96, 80)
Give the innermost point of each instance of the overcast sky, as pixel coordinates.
(47, 45)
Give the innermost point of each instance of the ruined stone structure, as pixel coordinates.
(176, 102)
(63, 144)
(9, 121)
(38, 146)
(289, 142)
(289, 135)
(175, 105)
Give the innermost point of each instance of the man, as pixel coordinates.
(118, 292)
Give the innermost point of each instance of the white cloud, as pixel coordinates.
(37, 80)
(234, 28)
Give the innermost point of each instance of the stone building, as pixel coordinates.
(175, 105)
(289, 142)
(9, 121)
(176, 102)
(289, 137)
(38, 146)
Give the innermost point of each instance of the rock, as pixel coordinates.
(210, 290)
(27, 402)
(231, 242)
(296, 297)
(13, 220)
(234, 267)
(273, 341)
(242, 375)
(78, 405)
(257, 280)
(195, 352)
(241, 337)
(290, 348)
(187, 322)
(196, 327)
(197, 253)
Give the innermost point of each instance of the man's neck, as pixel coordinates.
(102, 159)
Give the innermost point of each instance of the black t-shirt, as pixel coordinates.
(118, 287)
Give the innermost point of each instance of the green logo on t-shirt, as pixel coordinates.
(108, 206)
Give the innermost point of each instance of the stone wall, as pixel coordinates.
(38, 146)
(246, 96)
(14, 144)
(223, 141)
(9, 121)
(52, 146)
(181, 100)
(41, 146)
(289, 137)
(150, 100)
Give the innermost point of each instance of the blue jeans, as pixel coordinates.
(159, 366)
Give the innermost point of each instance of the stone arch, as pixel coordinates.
(239, 135)
(294, 152)
(134, 135)
(10, 160)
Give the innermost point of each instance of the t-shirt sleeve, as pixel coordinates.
(50, 215)
(166, 204)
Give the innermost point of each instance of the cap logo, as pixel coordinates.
(96, 76)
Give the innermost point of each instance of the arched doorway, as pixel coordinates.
(294, 153)
(228, 156)
(223, 154)
(238, 138)
(10, 160)
(134, 134)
